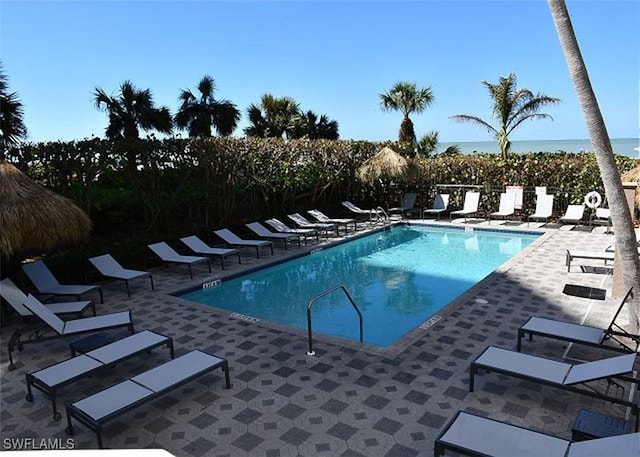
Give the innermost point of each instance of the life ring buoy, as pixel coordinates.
(592, 199)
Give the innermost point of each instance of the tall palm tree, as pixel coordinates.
(273, 117)
(407, 98)
(12, 128)
(626, 247)
(132, 109)
(511, 107)
(309, 125)
(199, 114)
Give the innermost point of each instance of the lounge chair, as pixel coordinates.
(507, 206)
(51, 379)
(234, 240)
(46, 283)
(544, 208)
(15, 298)
(605, 256)
(406, 205)
(582, 334)
(169, 255)
(284, 228)
(573, 378)
(601, 216)
(97, 409)
(573, 214)
(370, 213)
(109, 267)
(262, 231)
(65, 328)
(470, 434)
(324, 219)
(440, 205)
(470, 207)
(200, 247)
(305, 223)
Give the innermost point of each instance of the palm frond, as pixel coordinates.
(474, 120)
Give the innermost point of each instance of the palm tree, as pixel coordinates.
(199, 114)
(511, 107)
(308, 125)
(407, 98)
(12, 128)
(131, 110)
(626, 247)
(274, 117)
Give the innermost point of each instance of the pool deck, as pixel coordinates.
(343, 401)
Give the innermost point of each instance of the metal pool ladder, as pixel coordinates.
(386, 221)
(316, 298)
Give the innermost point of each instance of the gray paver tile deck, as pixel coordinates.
(346, 400)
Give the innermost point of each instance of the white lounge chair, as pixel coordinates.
(406, 204)
(370, 213)
(46, 283)
(470, 207)
(54, 377)
(507, 206)
(109, 267)
(323, 218)
(544, 208)
(16, 298)
(566, 376)
(96, 410)
(262, 231)
(234, 240)
(471, 434)
(284, 228)
(583, 334)
(169, 255)
(440, 205)
(65, 328)
(306, 223)
(601, 216)
(574, 214)
(605, 256)
(200, 247)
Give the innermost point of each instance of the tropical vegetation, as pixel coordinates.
(200, 113)
(511, 107)
(12, 127)
(407, 98)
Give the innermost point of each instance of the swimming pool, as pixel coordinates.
(398, 279)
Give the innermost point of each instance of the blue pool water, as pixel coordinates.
(398, 279)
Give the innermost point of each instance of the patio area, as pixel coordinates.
(343, 401)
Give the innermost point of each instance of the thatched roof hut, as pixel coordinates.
(385, 165)
(633, 175)
(35, 219)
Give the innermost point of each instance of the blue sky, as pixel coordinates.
(333, 57)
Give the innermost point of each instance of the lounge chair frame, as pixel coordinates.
(93, 363)
(370, 213)
(578, 387)
(303, 222)
(323, 218)
(506, 208)
(407, 205)
(440, 205)
(605, 256)
(469, 207)
(235, 241)
(262, 231)
(110, 268)
(38, 272)
(96, 425)
(613, 332)
(284, 228)
(543, 202)
(161, 249)
(38, 331)
(200, 247)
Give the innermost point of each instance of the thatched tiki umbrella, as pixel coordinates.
(384, 167)
(35, 219)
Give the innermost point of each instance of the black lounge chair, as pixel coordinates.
(65, 328)
(169, 255)
(46, 283)
(110, 268)
(96, 410)
(573, 378)
(52, 378)
(583, 334)
(473, 435)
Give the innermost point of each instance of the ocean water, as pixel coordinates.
(623, 146)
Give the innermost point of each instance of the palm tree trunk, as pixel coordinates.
(625, 236)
